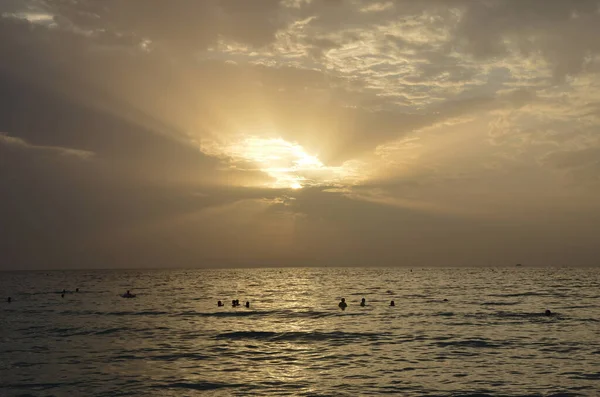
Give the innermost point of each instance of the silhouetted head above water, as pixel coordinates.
(445, 300)
(248, 304)
(76, 289)
(548, 312)
(363, 302)
(342, 305)
(392, 303)
(219, 303)
(9, 299)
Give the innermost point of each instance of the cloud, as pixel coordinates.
(581, 166)
(179, 25)
(573, 158)
(174, 130)
(19, 144)
(561, 31)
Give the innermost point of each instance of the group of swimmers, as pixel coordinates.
(62, 294)
(234, 303)
(363, 302)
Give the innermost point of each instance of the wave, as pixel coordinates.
(300, 336)
(517, 294)
(141, 355)
(68, 332)
(485, 394)
(530, 293)
(472, 395)
(579, 375)
(477, 343)
(241, 313)
(515, 315)
(196, 386)
(38, 386)
(282, 313)
(444, 314)
(500, 303)
(120, 313)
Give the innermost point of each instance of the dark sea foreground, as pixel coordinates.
(491, 338)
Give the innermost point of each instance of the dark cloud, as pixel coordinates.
(60, 208)
(574, 158)
(583, 165)
(184, 25)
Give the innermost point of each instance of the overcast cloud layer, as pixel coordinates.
(151, 133)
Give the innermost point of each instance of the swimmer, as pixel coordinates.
(342, 305)
(363, 302)
(247, 305)
(128, 294)
(233, 303)
(548, 313)
(392, 303)
(219, 303)
(62, 295)
(76, 289)
(9, 299)
(237, 302)
(445, 300)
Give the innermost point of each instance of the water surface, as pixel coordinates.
(490, 338)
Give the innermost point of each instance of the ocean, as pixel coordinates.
(452, 332)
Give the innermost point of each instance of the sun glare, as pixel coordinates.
(287, 163)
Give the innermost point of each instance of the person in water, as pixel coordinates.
(548, 312)
(342, 305)
(76, 289)
(9, 299)
(233, 303)
(128, 294)
(219, 303)
(392, 303)
(363, 302)
(247, 305)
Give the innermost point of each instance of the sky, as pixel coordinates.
(231, 133)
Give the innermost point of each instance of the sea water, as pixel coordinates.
(490, 338)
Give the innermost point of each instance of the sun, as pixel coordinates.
(288, 164)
